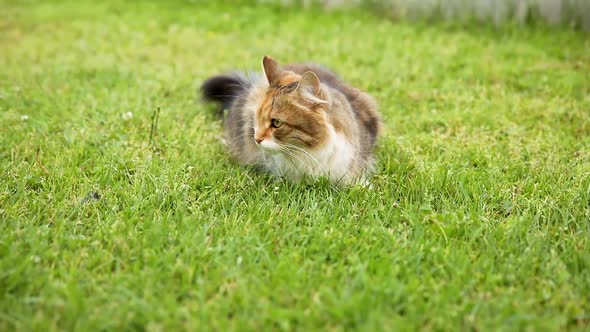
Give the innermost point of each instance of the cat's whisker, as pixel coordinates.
(297, 159)
(314, 159)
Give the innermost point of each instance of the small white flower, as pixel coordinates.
(24, 117)
(127, 116)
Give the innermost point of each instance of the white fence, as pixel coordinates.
(574, 13)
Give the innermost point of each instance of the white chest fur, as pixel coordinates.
(333, 160)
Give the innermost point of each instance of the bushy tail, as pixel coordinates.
(224, 89)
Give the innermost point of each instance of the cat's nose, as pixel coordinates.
(259, 140)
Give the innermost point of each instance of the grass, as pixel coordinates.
(478, 219)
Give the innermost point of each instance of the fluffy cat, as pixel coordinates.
(297, 121)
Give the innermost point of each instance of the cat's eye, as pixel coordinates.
(276, 123)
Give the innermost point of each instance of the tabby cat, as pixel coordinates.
(297, 121)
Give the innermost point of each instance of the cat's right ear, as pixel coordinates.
(309, 88)
(272, 70)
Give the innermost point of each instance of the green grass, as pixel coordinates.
(478, 219)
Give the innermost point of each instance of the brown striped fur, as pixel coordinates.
(325, 126)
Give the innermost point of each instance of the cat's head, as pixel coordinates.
(292, 111)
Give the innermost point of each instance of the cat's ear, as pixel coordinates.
(309, 88)
(272, 70)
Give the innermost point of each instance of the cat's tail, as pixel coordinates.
(225, 89)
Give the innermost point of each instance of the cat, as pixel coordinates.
(297, 121)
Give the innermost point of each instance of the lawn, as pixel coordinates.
(117, 216)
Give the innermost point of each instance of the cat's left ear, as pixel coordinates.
(309, 88)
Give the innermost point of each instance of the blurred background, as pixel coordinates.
(573, 13)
